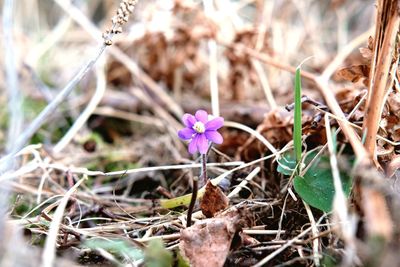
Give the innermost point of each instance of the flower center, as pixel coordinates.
(199, 127)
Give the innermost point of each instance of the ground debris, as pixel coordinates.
(207, 243)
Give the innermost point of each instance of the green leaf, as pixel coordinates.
(297, 116)
(181, 262)
(116, 247)
(287, 163)
(156, 255)
(316, 187)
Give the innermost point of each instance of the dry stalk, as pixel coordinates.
(315, 234)
(340, 210)
(242, 184)
(387, 28)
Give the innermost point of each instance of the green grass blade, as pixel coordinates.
(297, 116)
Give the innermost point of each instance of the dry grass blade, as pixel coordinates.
(340, 210)
(48, 254)
(244, 182)
(315, 234)
(252, 132)
(285, 246)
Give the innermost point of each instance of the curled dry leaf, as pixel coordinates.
(213, 201)
(367, 52)
(207, 243)
(355, 73)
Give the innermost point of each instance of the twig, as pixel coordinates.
(285, 246)
(192, 201)
(354, 140)
(261, 232)
(162, 237)
(244, 182)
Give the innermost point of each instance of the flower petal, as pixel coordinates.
(215, 123)
(214, 136)
(193, 145)
(186, 133)
(202, 143)
(189, 120)
(202, 116)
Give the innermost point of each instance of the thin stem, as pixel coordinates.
(204, 168)
(192, 201)
(196, 188)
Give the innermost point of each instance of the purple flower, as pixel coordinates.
(199, 130)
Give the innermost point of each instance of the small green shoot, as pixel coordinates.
(315, 186)
(297, 125)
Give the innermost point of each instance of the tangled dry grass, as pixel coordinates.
(92, 104)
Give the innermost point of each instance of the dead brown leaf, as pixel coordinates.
(207, 243)
(213, 201)
(367, 52)
(355, 73)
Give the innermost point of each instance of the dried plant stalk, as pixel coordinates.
(387, 27)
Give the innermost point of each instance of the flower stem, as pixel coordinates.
(204, 168)
(192, 201)
(196, 188)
